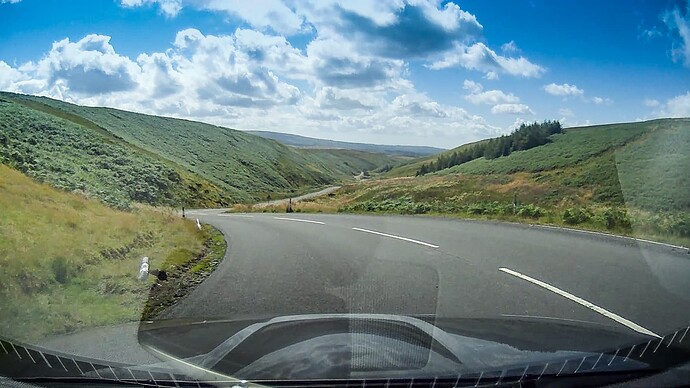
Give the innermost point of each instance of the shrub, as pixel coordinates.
(575, 216)
(530, 210)
(616, 218)
(60, 268)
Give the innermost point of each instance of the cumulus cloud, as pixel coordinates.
(651, 103)
(566, 112)
(678, 21)
(230, 72)
(480, 57)
(339, 99)
(242, 80)
(490, 97)
(514, 109)
(9, 76)
(491, 76)
(503, 103)
(563, 90)
(336, 63)
(88, 66)
(510, 47)
(679, 106)
(418, 30)
(602, 100)
(169, 8)
(444, 35)
(352, 75)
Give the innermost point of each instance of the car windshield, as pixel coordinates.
(301, 192)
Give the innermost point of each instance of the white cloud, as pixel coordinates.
(490, 97)
(169, 8)
(679, 106)
(480, 57)
(503, 103)
(243, 80)
(679, 23)
(9, 76)
(266, 14)
(650, 34)
(88, 66)
(566, 112)
(563, 90)
(510, 47)
(491, 76)
(602, 100)
(335, 62)
(651, 103)
(514, 109)
(384, 29)
(346, 99)
(352, 77)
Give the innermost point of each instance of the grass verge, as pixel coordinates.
(183, 275)
(539, 198)
(68, 262)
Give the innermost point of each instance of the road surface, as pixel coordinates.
(278, 264)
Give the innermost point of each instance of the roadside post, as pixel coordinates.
(143, 269)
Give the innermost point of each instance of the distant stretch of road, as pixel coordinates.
(279, 264)
(284, 201)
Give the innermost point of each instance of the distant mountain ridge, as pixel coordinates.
(310, 142)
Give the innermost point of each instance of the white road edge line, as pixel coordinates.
(611, 235)
(298, 220)
(592, 306)
(396, 237)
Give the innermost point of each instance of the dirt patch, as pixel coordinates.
(183, 279)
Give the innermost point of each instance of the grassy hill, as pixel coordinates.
(120, 156)
(68, 262)
(310, 142)
(352, 162)
(73, 157)
(410, 167)
(627, 178)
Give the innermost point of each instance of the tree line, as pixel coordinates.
(523, 138)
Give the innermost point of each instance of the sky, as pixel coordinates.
(438, 73)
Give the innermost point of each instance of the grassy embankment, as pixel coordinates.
(629, 179)
(68, 262)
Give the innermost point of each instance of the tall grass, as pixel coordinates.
(68, 262)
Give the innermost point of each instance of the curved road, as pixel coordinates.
(279, 264)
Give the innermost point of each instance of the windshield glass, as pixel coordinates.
(465, 192)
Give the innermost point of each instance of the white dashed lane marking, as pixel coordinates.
(298, 220)
(396, 237)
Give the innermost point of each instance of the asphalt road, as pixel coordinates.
(278, 264)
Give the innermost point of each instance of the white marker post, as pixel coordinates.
(198, 225)
(144, 269)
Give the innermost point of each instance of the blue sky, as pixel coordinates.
(389, 71)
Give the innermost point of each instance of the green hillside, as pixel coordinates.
(642, 164)
(626, 178)
(73, 157)
(352, 162)
(245, 165)
(120, 156)
(410, 167)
